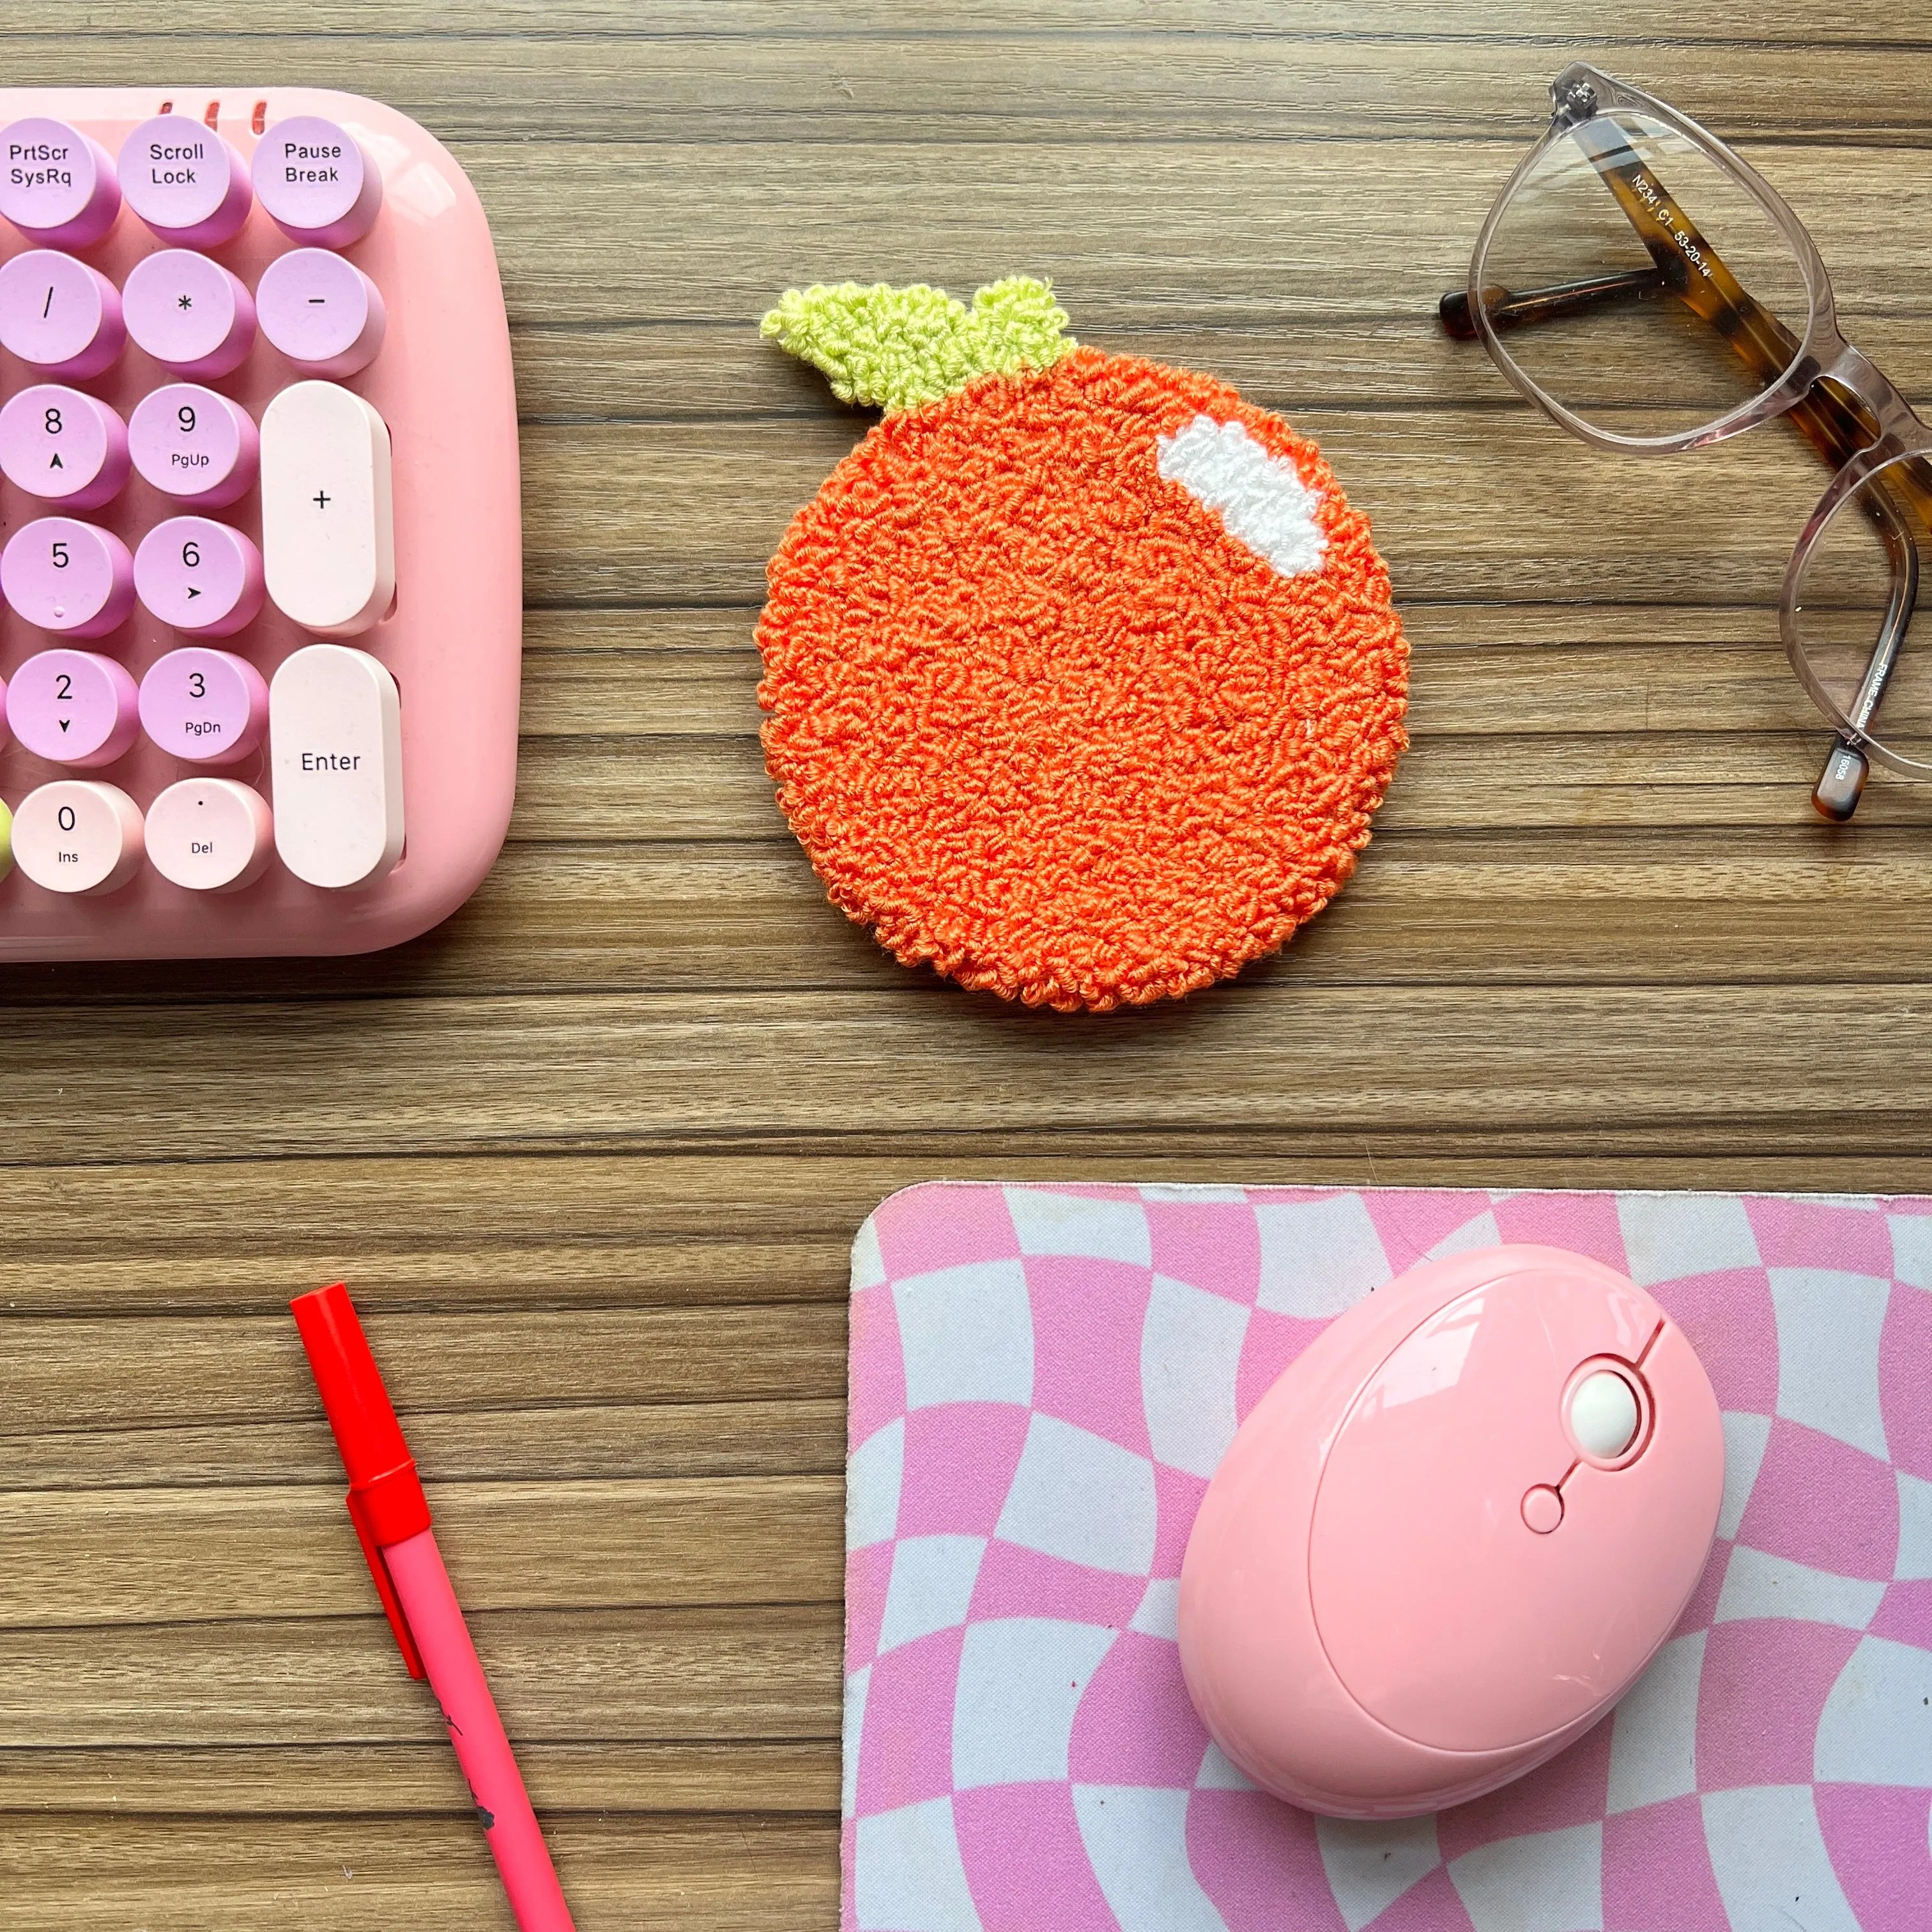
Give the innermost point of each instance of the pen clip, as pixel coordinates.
(392, 1605)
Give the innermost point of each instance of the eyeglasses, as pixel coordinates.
(1651, 292)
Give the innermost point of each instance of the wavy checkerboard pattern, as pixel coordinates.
(1043, 1379)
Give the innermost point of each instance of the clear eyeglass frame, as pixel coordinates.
(1830, 390)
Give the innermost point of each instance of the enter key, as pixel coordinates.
(335, 744)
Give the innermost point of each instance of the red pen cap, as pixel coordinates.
(386, 1502)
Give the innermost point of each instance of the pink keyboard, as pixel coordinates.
(261, 563)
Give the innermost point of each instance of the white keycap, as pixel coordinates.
(78, 835)
(335, 748)
(210, 835)
(329, 543)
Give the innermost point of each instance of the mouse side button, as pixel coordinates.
(1543, 1509)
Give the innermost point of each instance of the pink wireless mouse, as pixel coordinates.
(1452, 1535)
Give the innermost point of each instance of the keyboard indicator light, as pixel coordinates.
(74, 579)
(73, 708)
(210, 835)
(185, 181)
(59, 314)
(318, 183)
(202, 576)
(189, 313)
(209, 707)
(197, 446)
(335, 748)
(328, 527)
(57, 186)
(78, 835)
(63, 446)
(322, 313)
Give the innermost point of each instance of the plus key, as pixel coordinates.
(327, 536)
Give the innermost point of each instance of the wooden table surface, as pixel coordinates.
(592, 1152)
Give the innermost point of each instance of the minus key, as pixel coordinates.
(321, 312)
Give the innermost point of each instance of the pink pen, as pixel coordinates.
(391, 1514)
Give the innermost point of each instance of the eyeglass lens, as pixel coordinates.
(1857, 607)
(1640, 216)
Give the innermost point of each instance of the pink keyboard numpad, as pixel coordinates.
(260, 575)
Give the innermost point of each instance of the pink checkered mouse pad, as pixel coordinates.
(1043, 1380)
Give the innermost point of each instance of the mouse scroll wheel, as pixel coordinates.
(1603, 1414)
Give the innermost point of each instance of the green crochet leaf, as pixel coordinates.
(897, 348)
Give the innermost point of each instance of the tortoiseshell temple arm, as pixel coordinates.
(1506, 311)
(1835, 422)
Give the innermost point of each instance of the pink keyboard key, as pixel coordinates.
(317, 182)
(73, 707)
(65, 447)
(57, 186)
(78, 835)
(328, 536)
(72, 578)
(198, 446)
(210, 835)
(185, 181)
(322, 313)
(59, 314)
(335, 746)
(189, 313)
(202, 576)
(207, 706)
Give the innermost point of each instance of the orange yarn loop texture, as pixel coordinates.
(1042, 723)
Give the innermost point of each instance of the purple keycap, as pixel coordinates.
(75, 707)
(200, 576)
(198, 446)
(57, 186)
(185, 181)
(67, 577)
(189, 313)
(59, 314)
(322, 313)
(317, 182)
(68, 448)
(204, 705)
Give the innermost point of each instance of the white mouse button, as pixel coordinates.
(1604, 1415)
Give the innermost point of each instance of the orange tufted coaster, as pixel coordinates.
(1082, 681)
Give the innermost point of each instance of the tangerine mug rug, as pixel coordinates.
(1043, 1379)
